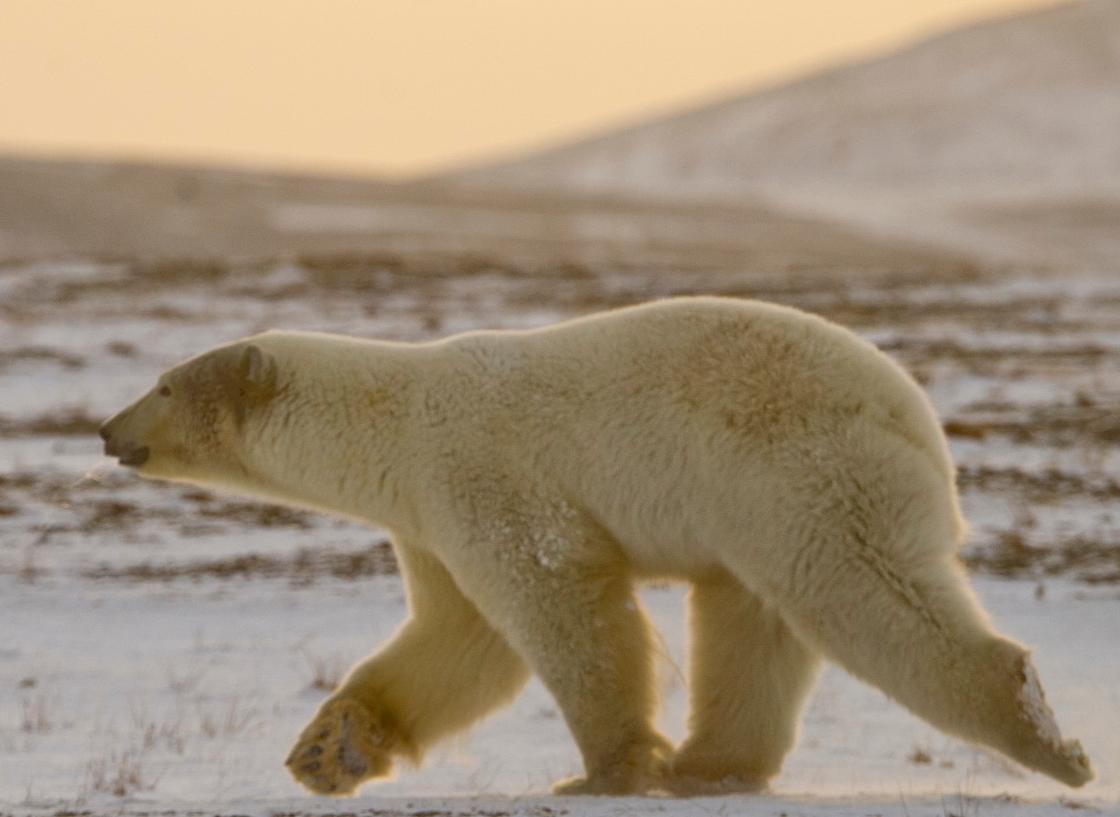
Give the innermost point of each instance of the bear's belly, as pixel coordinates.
(670, 551)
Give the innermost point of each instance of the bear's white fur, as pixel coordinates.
(787, 469)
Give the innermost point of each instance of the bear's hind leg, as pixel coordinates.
(749, 677)
(918, 633)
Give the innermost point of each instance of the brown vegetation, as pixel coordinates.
(1087, 559)
(304, 567)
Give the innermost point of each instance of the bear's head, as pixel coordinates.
(194, 423)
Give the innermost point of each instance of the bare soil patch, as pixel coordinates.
(1057, 425)
(1088, 559)
(70, 422)
(305, 567)
(39, 354)
(1047, 485)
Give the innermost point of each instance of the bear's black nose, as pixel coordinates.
(104, 432)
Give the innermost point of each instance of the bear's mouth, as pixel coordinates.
(128, 454)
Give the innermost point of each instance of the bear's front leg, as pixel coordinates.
(559, 590)
(444, 669)
(344, 746)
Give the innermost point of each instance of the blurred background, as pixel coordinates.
(969, 123)
(941, 176)
(397, 89)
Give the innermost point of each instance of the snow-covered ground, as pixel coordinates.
(161, 647)
(187, 694)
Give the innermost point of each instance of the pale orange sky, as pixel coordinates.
(404, 86)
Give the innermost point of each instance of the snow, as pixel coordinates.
(205, 687)
(944, 140)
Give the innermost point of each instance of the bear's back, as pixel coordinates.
(729, 369)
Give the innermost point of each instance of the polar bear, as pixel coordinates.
(789, 471)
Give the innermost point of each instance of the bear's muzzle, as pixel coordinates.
(126, 453)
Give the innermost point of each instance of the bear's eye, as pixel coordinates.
(165, 391)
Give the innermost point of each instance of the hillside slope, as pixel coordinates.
(61, 208)
(1005, 114)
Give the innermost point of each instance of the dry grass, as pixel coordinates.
(327, 671)
(29, 572)
(1012, 555)
(71, 422)
(920, 757)
(108, 514)
(152, 733)
(34, 717)
(304, 567)
(39, 354)
(1047, 485)
(1057, 426)
(1075, 805)
(254, 514)
(97, 505)
(228, 720)
(118, 773)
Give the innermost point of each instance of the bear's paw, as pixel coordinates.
(342, 748)
(639, 769)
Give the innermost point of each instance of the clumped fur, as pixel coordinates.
(788, 470)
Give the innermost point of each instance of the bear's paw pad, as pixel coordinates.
(339, 750)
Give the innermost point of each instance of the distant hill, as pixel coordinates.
(998, 139)
(1032, 100)
(121, 208)
(1004, 112)
(55, 208)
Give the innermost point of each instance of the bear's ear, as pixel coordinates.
(258, 370)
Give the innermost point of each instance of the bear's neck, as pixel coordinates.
(337, 433)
